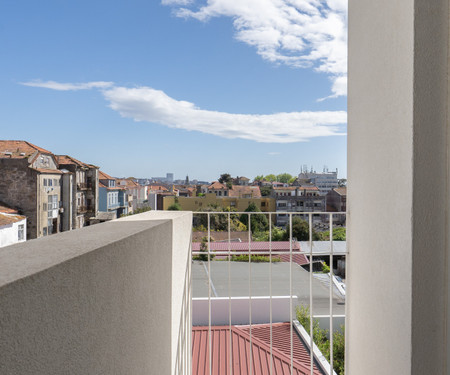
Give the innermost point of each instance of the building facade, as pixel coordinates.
(31, 182)
(297, 199)
(80, 192)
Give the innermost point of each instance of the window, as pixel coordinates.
(45, 231)
(45, 182)
(50, 182)
(21, 232)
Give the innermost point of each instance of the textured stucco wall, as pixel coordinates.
(397, 126)
(98, 300)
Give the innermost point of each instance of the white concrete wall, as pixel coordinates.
(111, 298)
(9, 234)
(397, 187)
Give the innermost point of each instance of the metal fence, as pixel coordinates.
(206, 252)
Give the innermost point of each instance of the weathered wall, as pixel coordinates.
(112, 298)
(18, 189)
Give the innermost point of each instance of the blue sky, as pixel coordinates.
(142, 88)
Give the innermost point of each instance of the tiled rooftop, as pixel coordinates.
(19, 149)
(240, 350)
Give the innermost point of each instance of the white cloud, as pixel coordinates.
(67, 86)
(273, 153)
(154, 106)
(176, 2)
(299, 33)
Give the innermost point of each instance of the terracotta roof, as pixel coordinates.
(66, 159)
(341, 190)
(260, 246)
(216, 185)
(128, 182)
(6, 219)
(103, 176)
(7, 210)
(19, 149)
(238, 191)
(275, 188)
(222, 356)
(158, 187)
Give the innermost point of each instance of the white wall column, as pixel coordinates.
(398, 187)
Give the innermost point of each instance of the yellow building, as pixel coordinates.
(265, 204)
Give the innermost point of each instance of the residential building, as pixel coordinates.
(80, 192)
(219, 189)
(112, 198)
(13, 226)
(325, 181)
(337, 200)
(297, 199)
(245, 191)
(243, 181)
(136, 191)
(31, 181)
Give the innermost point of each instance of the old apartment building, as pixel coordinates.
(80, 192)
(30, 181)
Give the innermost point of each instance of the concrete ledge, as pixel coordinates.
(113, 298)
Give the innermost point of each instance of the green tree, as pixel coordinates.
(225, 178)
(300, 230)
(259, 178)
(174, 207)
(270, 177)
(292, 180)
(266, 191)
(258, 222)
(339, 234)
(219, 219)
(320, 337)
(284, 178)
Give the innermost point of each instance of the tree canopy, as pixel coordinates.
(271, 177)
(300, 230)
(258, 222)
(174, 207)
(284, 177)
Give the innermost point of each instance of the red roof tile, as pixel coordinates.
(6, 219)
(260, 246)
(66, 159)
(103, 176)
(17, 148)
(7, 210)
(216, 185)
(222, 357)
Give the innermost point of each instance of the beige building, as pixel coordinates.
(265, 204)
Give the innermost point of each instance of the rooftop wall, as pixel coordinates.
(112, 298)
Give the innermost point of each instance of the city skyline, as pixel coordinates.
(197, 88)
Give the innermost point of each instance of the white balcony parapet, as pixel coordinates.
(112, 298)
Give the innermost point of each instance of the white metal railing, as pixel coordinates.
(229, 253)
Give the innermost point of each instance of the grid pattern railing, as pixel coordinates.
(224, 222)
